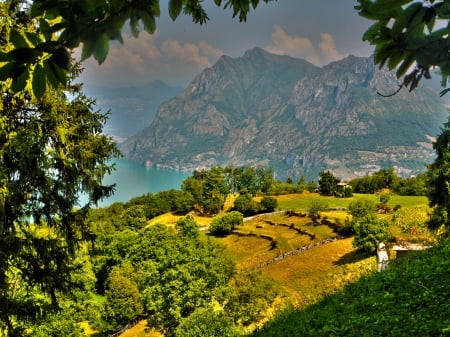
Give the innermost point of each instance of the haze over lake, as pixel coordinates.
(133, 180)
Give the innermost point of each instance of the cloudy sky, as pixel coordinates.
(320, 31)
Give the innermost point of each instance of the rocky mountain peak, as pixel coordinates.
(298, 118)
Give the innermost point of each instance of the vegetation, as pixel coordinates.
(52, 149)
(409, 298)
(422, 29)
(328, 183)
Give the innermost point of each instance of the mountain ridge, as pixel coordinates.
(267, 109)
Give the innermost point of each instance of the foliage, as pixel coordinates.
(360, 208)
(412, 219)
(328, 183)
(206, 322)
(175, 274)
(384, 198)
(369, 231)
(52, 150)
(348, 192)
(248, 297)
(42, 57)
(439, 181)
(316, 206)
(384, 178)
(60, 324)
(187, 226)
(225, 224)
(122, 299)
(408, 299)
(244, 204)
(409, 36)
(133, 217)
(412, 186)
(268, 204)
(208, 188)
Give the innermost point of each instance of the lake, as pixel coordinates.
(133, 180)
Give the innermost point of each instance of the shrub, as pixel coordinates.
(269, 204)
(225, 224)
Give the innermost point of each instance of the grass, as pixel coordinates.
(306, 278)
(303, 201)
(410, 298)
(140, 330)
(310, 275)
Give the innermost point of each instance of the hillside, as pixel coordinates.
(299, 119)
(408, 299)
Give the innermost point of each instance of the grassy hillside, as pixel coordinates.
(408, 299)
(321, 279)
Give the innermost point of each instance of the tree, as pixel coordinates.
(208, 188)
(52, 150)
(369, 231)
(225, 224)
(122, 299)
(187, 226)
(41, 57)
(409, 36)
(328, 183)
(244, 204)
(268, 204)
(439, 181)
(360, 208)
(206, 322)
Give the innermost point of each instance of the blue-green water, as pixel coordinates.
(133, 180)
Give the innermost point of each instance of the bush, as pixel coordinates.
(206, 322)
(360, 208)
(269, 204)
(225, 224)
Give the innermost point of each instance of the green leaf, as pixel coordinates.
(149, 22)
(101, 48)
(45, 29)
(38, 81)
(88, 49)
(5, 71)
(175, 7)
(218, 2)
(25, 55)
(17, 39)
(56, 72)
(34, 38)
(50, 75)
(6, 57)
(61, 57)
(49, 46)
(406, 64)
(20, 77)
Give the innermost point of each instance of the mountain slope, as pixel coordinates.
(299, 119)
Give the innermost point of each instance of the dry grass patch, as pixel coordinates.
(310, 275)
(139, 330)
(170, 220)
(247, 251)
(250, 251)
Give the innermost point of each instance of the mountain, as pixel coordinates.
(131, 108)
(295, 117)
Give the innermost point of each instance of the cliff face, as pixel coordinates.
(299, 119)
